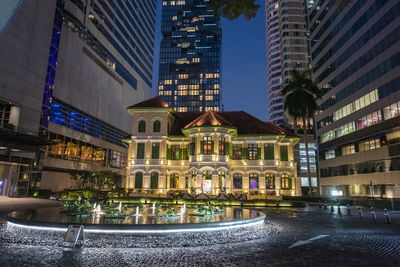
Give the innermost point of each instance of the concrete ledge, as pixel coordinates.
(136, 228)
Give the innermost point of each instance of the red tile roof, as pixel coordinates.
(244, 122)
(210, 118)
(154, 102)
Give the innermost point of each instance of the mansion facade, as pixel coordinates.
(209, 152)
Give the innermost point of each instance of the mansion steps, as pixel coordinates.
(212, 153)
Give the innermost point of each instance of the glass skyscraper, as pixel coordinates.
(190, 56)
(77, 65)
(356, 62)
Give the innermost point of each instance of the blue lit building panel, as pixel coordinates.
(190, 56)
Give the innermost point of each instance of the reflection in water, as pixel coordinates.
(146, 212)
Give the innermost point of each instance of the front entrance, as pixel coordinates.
(207, 182)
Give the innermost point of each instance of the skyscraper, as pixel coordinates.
(190, 56)
(78, 66)
(356, 58)
(287, 49)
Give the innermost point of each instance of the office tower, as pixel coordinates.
(71, 68)
(355, 58)
(287, 49)
(190, 56)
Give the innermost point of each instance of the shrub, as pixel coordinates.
(85, 193)
(41, 193)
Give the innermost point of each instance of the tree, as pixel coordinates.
(81, 178)
(301, 96)
(232, 9)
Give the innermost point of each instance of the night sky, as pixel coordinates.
(244, 65)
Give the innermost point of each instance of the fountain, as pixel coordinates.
(183, 210)
(137, 211)
(120, 207)
(149, 219)
(98, 211)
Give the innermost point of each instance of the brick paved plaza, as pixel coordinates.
(290, 237)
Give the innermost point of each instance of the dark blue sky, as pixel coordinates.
(244, 73)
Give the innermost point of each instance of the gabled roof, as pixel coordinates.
(248, 124)
(245, 123)
(154, 102)
(210, 118)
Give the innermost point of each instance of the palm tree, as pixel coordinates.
(232, 9)
(301, 96)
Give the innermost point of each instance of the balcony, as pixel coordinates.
(209, 158)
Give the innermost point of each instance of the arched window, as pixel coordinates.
(154, 180)
(156, 126)
(253, 181)
(286, 182)
(237, 181)
(269, 181)
(142, 127)
(174, 180)
(187, 181)
(221, 179)
(138, 180)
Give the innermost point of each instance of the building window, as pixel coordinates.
(221, 145)
(154, 180)
(156, 126)
(221, 179)
(4, 115)
(207, 145)
(155, 150)
(391, 111)
(269, 181)
(237, 152)
(193, 146)
(330, 154)
(175, 152)
(186, 181)
(369, 120)
(237, 181)
(140, 151)
(286, 182)
(253, 181)
(142, 127)
(174, 181)
(194, 174)
(252, 151)
(348, 150)
(369, 144)
(284, 153)
(138, 180)
(269, 152)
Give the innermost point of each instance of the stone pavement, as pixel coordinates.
(297, 237)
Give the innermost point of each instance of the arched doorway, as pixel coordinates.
(207, 182)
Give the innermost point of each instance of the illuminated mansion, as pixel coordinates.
(209, 152)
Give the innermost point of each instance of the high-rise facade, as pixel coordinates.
(356, 61)
(90, 59)
(287, 49)
(190, 56)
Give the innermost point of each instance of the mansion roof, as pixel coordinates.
(242, 121)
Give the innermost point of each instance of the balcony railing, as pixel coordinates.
(209, 158)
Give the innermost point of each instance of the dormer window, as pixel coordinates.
(142, 127)
(156, 126)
